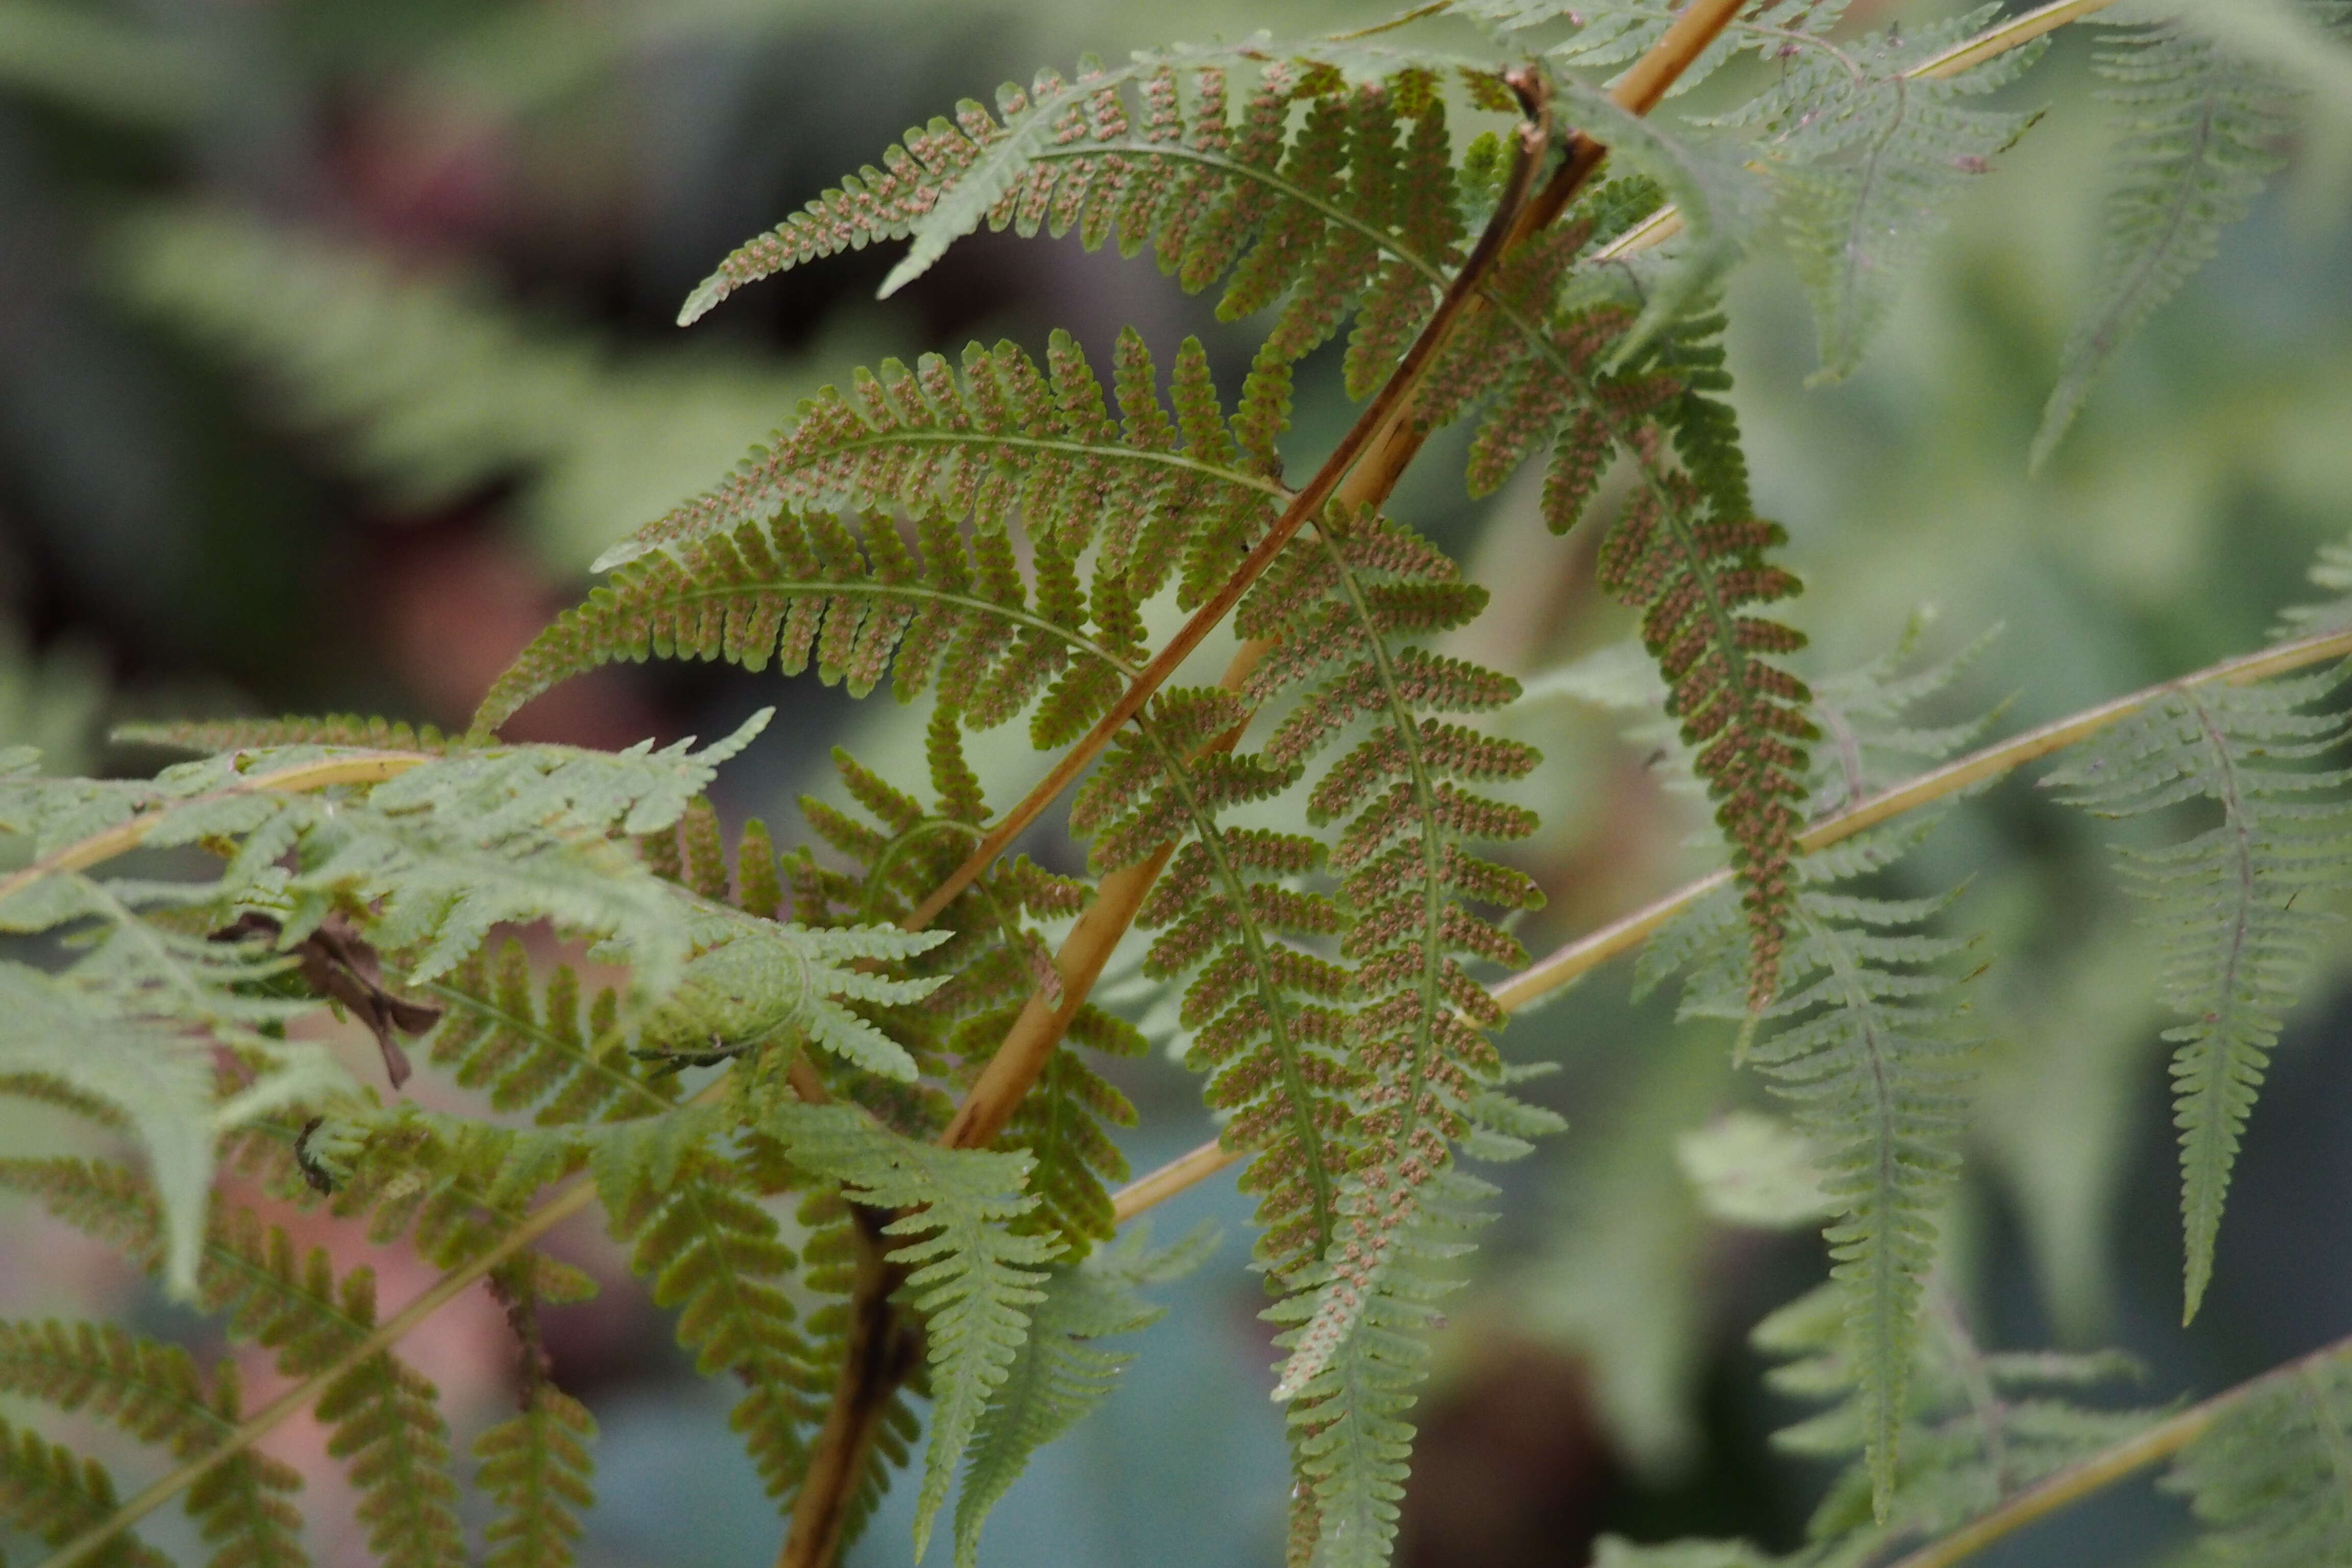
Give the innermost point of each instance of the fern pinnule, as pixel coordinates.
(2236, 949)
(711, 1253)
(536, 1051)
(45, 1490)
(972, 1278)
(534, 1466)
(153, 1392)
(1063, 1372)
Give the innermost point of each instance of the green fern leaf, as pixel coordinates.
(240, 1505)
(1062, 1373)
(2237, 950)
(2267, 1478)
(46, 1491)
(2197, 126)
(386, 1426)
(535, 1465)
(1980, 1427)
(972, 1278)
(1307, 213)
(1866, 151)
(344, 730)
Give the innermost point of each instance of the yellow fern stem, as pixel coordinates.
(1572, 961)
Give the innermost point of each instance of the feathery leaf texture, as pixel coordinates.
(1415, 1042)
(973, 1280)
(1865, 1035)
(436, 856)
(354, 731)
(993, 960)
(2196, 133)
(1980, 1426)
(1062, 1373)
(2268, 1480)
(386, 1426)
(154, 1392)
(1865, 152)
(1355, 202)
(48, 1490)
(534, 1466)
(2237, 950)
(1688, 553)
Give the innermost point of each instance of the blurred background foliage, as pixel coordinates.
(336, 340)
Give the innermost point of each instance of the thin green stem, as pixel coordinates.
(2127, 1457)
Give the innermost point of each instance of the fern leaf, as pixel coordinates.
(46, 1491)
(973, 1280)
(716, 1258)
(150, 1390)
(2267, 1480)
(2197, 128)
(1867, 151)
(1980, 1425)
(537, 1050)
(240, 1505)
(535, 1467)
(1863, 1037)
(350, 730)
(1061, 1374)
(2236, 949)
(1307, 213)
(387, 1428)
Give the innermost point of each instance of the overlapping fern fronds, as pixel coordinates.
(1063, 1372)
(1980, 1426)
(384, 1420)
(1864, 1037)
(2239, 906)
(2266, 1480)
(1866, 151)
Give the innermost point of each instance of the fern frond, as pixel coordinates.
(1689, 551)
(1980, 1426)
(535, 1467)
(46, 1491)
(2236, 949)
(986, 970)
(210, 736)
(972, 1276)
(1866, 150)
(436, 851)
(1153, 153)
(386, 1426)
(150, 1390)
(2197, 128)
(531, 1044)
(1163, 491)
(1061, 1374)
(713, 1255)
(1865, 1037)
(240, 1505)
(2267, 1480)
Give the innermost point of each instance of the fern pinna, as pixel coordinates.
(2235, 948)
